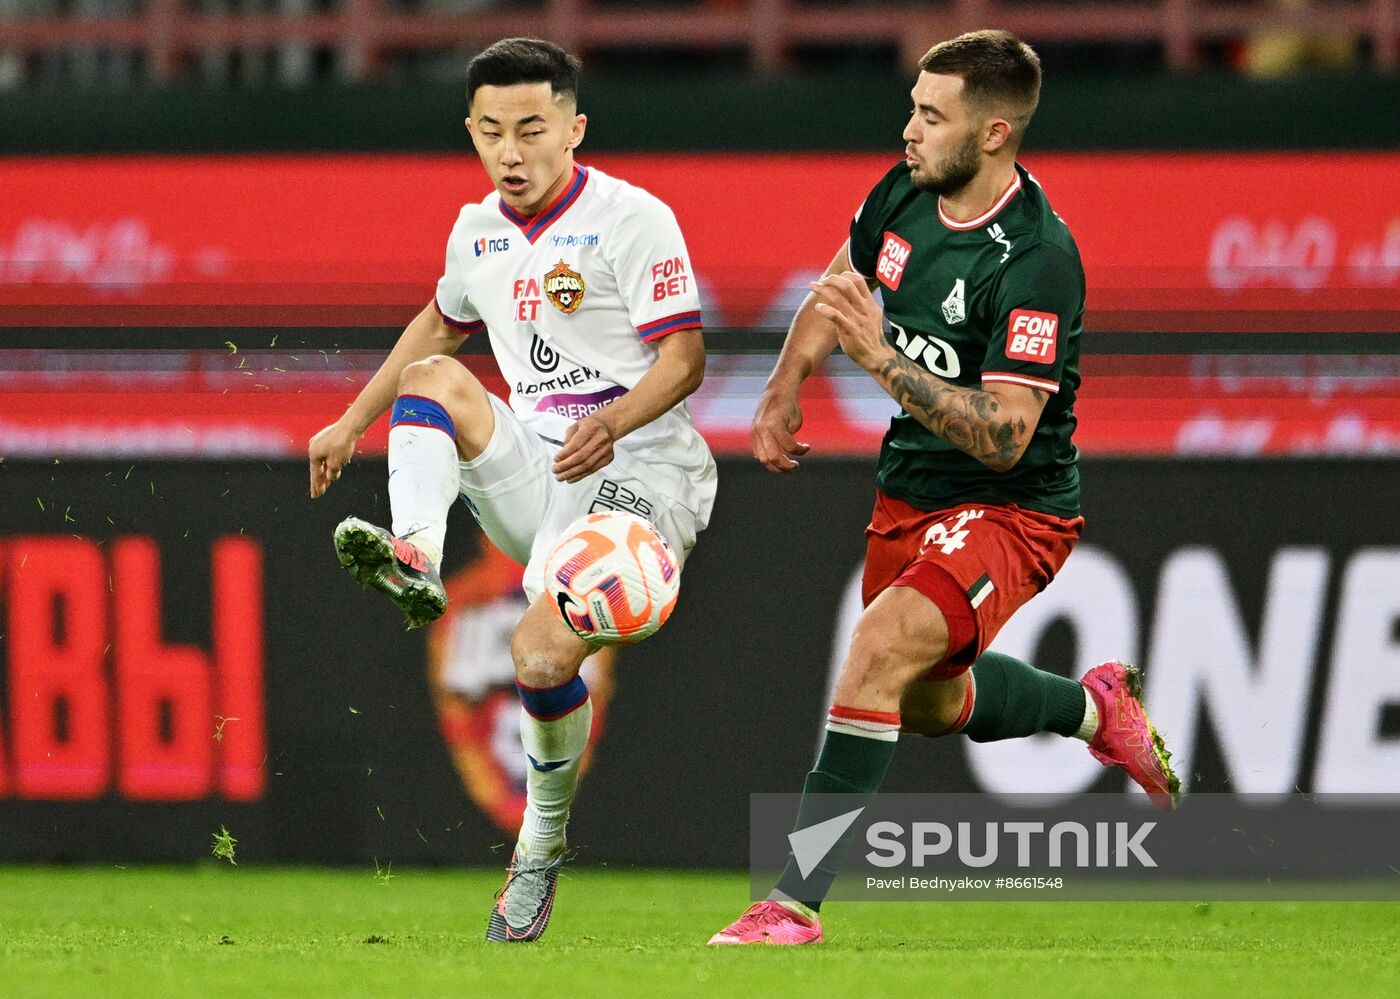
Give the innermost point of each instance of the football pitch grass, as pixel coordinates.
(225, 932)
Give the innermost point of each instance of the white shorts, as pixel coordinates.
(511, 491)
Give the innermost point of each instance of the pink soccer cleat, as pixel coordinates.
(394, 567)
(1126, 738)
(770, 923)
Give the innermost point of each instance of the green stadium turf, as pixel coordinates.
(224, 932)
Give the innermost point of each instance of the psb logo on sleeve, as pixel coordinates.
(1030, 336)
(894, 256)
(563, 286)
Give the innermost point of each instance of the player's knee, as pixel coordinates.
(429, 373)
(889, 650)
(878, 666)
(542, 659)
(870, 654)
(887, 644)
(440, 378)
(537, 668)
(450, 384)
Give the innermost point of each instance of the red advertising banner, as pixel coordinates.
(1267, 243)
(99, 699)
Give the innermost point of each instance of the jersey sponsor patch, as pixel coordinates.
(669, 278)
(894, 257)
(563, 286)
(574, 239)
(484, 245)
(544, 357)
(527, 300)
(1030, 336)
(998, 235)
(613, 496)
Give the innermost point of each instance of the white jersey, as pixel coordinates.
(574, 300)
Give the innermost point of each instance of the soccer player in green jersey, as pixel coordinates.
(977, 504)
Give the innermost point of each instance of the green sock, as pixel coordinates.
(847, 765)
(1014, 700)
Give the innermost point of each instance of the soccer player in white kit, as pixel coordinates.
(585, 288)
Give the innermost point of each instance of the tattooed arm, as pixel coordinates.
(992, 424)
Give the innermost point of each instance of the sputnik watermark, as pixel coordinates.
(926, 846)
(1064, 844)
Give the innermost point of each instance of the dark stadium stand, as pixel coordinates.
(357, 40)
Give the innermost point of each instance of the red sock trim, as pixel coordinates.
(841, 713)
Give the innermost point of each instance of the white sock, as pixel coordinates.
(1089, 727)
(422, 486)
(550, 792)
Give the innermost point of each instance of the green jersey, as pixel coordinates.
(999, 298)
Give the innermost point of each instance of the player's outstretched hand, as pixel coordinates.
(846, 300)
(776, 421)
(588, 446)
(329, 451)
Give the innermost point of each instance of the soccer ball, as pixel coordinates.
(612, 578)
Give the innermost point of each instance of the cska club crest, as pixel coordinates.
(564, 286)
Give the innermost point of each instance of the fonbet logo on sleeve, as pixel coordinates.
(1030, 336)
(669, 278)
(893, 258)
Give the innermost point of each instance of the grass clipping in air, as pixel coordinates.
(223, 845)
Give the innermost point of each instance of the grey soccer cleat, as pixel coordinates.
(524, 904)
(392, 566)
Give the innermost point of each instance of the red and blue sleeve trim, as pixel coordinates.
(671, 324)
(534, 227)
(474, 326)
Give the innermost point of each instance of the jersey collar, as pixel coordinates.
(986, 216)
(533, 227)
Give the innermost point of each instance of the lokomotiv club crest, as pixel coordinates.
(564, 286)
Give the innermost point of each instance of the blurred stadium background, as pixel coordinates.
(215, 216)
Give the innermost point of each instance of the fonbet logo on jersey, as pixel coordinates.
(563, 286)
(669, 278)
(894, 257)
(1030, 336)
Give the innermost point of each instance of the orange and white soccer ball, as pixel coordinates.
(612, 578)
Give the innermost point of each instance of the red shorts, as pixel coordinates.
(978, 563)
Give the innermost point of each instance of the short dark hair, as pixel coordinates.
(998, 70)
(523, 60)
